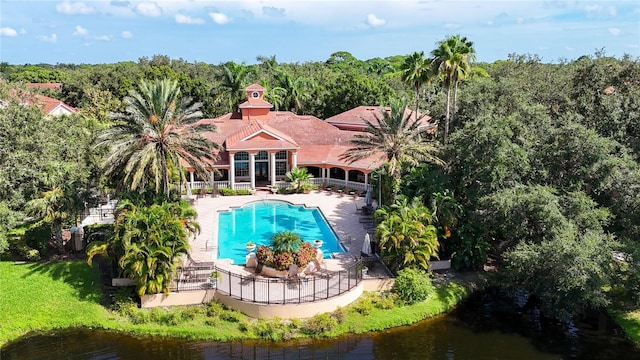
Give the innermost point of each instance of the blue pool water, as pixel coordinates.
(257, 221)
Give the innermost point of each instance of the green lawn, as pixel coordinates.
(629, 321)
(44, 296)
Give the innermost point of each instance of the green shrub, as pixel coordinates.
(339, 314)
(387, 301)
(412, 286)
(226, 192)
(209, 190)
(319, 325)
(123, 298)
(243, 192)
(274, 329)
(38, 237)
(364, 305)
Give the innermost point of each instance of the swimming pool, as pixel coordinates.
(257, 221)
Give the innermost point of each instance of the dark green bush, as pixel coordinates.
(412, 286)
(38, 237)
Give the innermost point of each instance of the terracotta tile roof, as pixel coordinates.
(354, 119)
(317, 141)
(254, 87)
(50, 86)
(46, 104)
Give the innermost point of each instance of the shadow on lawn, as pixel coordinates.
(86, 280)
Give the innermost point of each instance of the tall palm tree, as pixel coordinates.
(296, 90)
(232, 79)
(416, 71)
(452, 59)
(398, 138)
(156, 132)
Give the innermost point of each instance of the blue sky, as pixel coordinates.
(300, 30)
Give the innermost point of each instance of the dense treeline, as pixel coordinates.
(542, 159)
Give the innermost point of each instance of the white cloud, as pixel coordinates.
(75, 8)
(103, 38)
(7, 31)
(149, 9)
(519, 20)
(80, 31)
(126, 34)
(375, 21)
(219, 18)
(612, 11)
(614, 31)
(23, 31)
(52, 38)
(184, 19)
(593, 8)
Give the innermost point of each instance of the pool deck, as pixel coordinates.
(339, 209)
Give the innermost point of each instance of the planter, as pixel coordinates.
(250, 248)
(317, 243)
(440, 265)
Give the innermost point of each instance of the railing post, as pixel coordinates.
(240, 282)
(254, 288)
(314, 288)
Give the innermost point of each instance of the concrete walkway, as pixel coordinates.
(338, 209)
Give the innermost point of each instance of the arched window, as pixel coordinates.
(241, 164)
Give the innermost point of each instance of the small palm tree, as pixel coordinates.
(398, 138)
(56, 205)
(151, 139)
(298, 177)
(285, 241)
(405, 234)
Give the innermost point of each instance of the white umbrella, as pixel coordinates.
(368, 198)
(366, 245)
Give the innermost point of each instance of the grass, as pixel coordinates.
(57, 295)
(46, 296)
(629, 321)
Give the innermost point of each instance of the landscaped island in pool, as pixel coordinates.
(257, 221)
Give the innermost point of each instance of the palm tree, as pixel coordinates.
(298, 177)
(156, 132)
(452, 59)
(232, 81)
(416, 71)
(405, 234)
(295, 90)
(147, 242)
(398, 138)
(57, 205)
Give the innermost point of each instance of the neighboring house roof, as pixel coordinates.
(354, 119)
(49, 106)
(49, 86)
(54, 107)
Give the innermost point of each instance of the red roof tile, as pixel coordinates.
(354, 119)
(50, 86)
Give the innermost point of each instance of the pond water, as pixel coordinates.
(481, 328)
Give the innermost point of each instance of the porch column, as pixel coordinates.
(294, 159)
(213, 177)
(346, 178)
(366, 181)
(272, 168)
(232, 171)
(191, 179)
(252, 169)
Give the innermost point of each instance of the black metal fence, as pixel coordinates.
(195, 277)
(318, 286)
